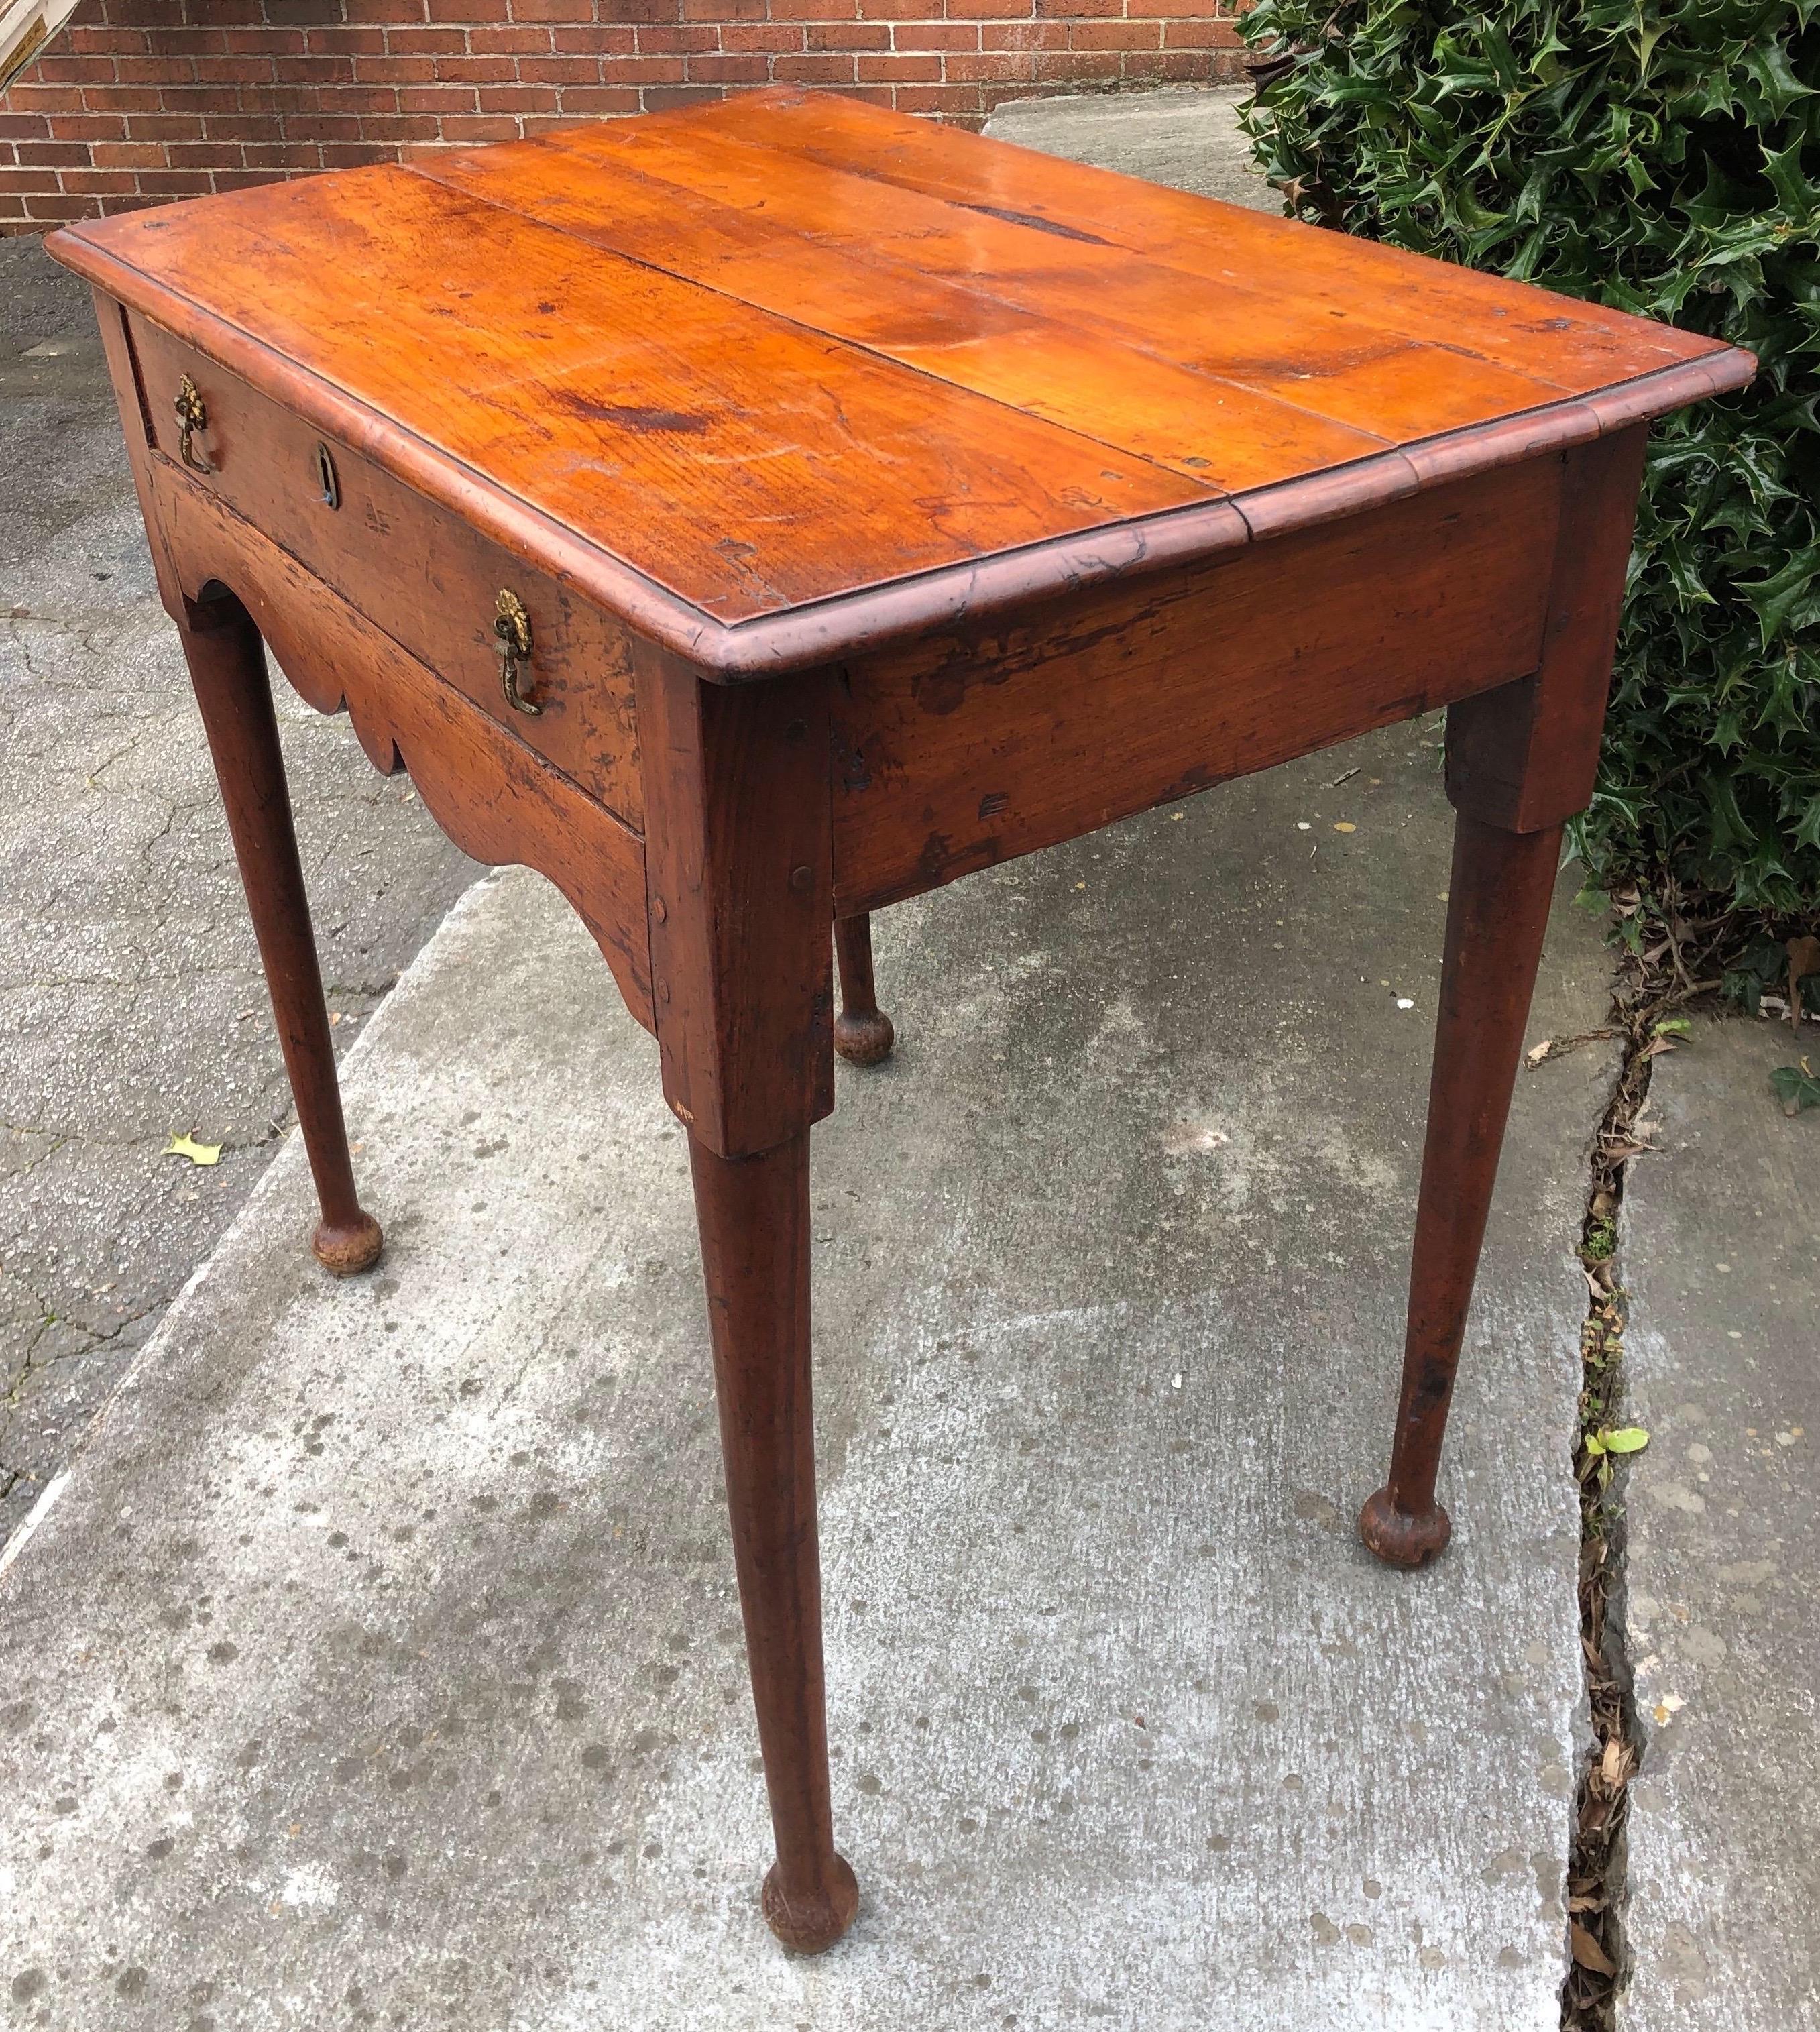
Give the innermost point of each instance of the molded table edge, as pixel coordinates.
(823, 631)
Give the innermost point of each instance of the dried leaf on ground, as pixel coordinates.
(197, 1153)
(1622, 1151)
(1587, 1951)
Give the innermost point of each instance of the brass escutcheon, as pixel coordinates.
(512, 626)
(192, 417)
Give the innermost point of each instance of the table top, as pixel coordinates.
(782, 376)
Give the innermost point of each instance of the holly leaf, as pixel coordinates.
(1795, 1087)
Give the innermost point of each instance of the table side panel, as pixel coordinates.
(411, 568)
(496, 799)
(968, 748)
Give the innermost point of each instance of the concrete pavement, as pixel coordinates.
(1723, 1363)
(1188, 138)
(130, 993)
(379, 1660)
(381, 1653)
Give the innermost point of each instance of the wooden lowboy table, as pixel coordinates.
(752, 516)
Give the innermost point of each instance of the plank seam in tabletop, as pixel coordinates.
(621, 398)
(466, 171)
(448, 176)
(789, 639)
(820, 626)
(1021, 480)
(1185, 214)
(1393, 468)
(1343, 368)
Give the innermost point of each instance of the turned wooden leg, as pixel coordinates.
(862, 1031)
(754, 1217)
(1498, 912)
(739, 864)
(1521, 760)
(227, 667)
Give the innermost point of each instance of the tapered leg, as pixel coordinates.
(862, 1031)
(754, 1217)
(227, 667)
(1498, 912)
(1521, 760)
(739, 865)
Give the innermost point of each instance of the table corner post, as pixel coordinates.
(1521, 761)
(740, 883)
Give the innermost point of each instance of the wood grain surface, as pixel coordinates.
(739, 459)
(498, 801)
(1578, 345)
(1326, 363)
(986, 741)
(972, 301)
(776, 379)
(420, 574)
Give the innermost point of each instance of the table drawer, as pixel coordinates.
(418, 573)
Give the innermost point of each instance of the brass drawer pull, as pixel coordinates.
(193, 416)
(512, 626)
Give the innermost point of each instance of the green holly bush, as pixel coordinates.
(1663, 157)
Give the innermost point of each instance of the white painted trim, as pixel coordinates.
(25, 27)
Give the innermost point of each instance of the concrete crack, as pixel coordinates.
(143, 1142)
(1597, 1888)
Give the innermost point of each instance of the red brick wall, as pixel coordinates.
(142, 100)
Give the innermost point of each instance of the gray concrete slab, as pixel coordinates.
(123, 937)
(378, 1661)
(1188, 138)
(130, 993)
(1722, 1364)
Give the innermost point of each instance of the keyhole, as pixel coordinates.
(328, 484)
